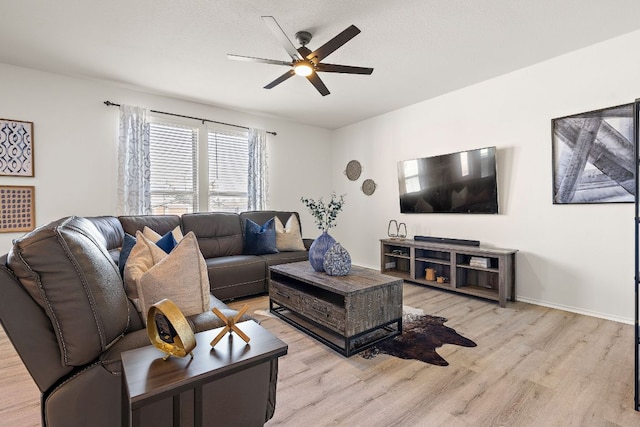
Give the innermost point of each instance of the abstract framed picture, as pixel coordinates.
(16, 148)
(17, 208)
(593, 157)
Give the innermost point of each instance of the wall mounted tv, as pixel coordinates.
(463, 182)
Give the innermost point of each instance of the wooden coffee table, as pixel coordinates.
(347, 313)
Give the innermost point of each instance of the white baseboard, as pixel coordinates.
(577, 310)
(628, 321)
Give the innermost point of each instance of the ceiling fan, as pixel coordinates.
(304, 62)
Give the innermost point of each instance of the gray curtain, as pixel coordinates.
(258, 191)
(134, 166)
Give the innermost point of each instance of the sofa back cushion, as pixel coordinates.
(69, 273)
(161, 224)
(219, 234)
(111, 234)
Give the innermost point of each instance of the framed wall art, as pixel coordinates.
(16, 148)
(593, 157)
(17, 208)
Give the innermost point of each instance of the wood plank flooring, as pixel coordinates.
(533, 366)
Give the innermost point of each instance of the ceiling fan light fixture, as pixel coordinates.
(303, 68)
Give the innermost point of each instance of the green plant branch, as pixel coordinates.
(324, 214)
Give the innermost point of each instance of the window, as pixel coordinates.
(191, 175)
(173, 157)
(228, 154)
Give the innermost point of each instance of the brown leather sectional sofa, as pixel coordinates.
(63, 305)
(220, 237)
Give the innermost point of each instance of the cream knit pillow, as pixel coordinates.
(180, 276)
(288, 236)
(144, 255)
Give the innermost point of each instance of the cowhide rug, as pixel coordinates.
(421, 336)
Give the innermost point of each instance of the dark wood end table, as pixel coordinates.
(221, 385)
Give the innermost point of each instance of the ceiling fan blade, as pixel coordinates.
(317, 82)
(333, 44)
(280, 79)
(261, 60)
(332, 68)
(282, 37)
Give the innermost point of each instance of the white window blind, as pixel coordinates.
(173, 160)
(228, 154)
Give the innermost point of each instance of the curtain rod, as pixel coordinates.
(112, 104)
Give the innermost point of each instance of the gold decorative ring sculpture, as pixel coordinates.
(169, 331)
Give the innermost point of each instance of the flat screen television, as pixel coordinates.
(463, 182)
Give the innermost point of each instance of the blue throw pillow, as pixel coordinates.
(167, 242)
(260, 239)
(128, 244)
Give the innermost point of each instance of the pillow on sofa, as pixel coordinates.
(288, 236)
(127, 244)
(154, 236)
(180, 276)
(144, 255)
(259, 239)
(166, 243)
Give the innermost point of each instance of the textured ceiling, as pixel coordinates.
(419, 48)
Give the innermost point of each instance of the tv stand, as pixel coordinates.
(472, 270)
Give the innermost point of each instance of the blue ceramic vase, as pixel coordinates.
(317, 250)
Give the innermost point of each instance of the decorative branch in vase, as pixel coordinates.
(325, 215)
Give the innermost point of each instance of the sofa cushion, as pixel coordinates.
(288, 237)
(72, 277)
(219, 234)
(259, 239)
(161, 224)
(236, 276)
(111, 231)
(285, 257)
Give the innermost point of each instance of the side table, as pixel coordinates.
(228, 384)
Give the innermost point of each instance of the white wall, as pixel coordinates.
(577, 257)
(75, 144)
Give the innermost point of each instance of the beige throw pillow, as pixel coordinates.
(288, 236)
(180, 276)
(154, 237)
(144, 255)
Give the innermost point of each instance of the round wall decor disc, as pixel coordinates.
(353, 171)
(368, 187)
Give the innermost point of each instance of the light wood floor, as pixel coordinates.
(533, 366)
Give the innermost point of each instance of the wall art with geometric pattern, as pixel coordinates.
(593, 157)
(16, 148)
(17, 208)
